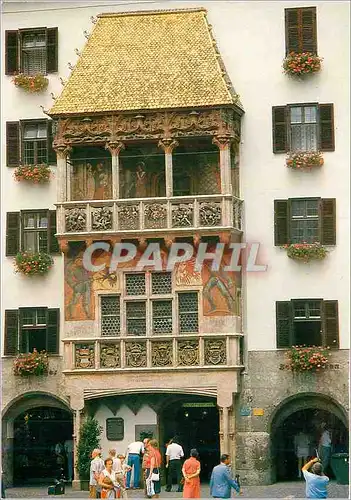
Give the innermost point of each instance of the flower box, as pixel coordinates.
(35, 363)
(302, 358)
(32, 264)
(298, 64)
(38, 174)
(304, 160)
(306, 251)
(36, 83)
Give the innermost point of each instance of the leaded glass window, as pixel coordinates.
(110, 315)
(161, 283)
(136, 318)
(188, 312)
(135, 284)
(162, 316)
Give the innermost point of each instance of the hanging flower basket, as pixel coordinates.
(32, 264)
(35, 363)
(298, 64)
(306, 251)
(38, 174)
(302, 358)
(305, 160)
(36, 83)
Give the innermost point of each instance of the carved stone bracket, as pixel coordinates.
(114, 147)
(168, 144)
(62, 149)
(222, 141)
(142, 243)
(224, 238)
(169, 240)
(64, 246)
(196, 240)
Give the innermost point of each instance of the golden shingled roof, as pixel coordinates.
(147, 60)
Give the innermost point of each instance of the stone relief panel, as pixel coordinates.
(136, 354)
(162, 353)
(188, 353)
(110, 356)
(215, 352)
(84, 355)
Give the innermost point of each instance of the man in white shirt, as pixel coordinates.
(96, 467)
(174, 454)
(134, 452)
(116, 463)
(325, 446)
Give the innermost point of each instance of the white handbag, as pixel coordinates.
(155, 476)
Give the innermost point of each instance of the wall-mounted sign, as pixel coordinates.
(258, 412)
(198, 405)
(245, 412)
(115, 429)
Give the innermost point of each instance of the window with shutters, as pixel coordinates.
(303, 127)
(31, 328)
(147, 306)
(31, 52)
(305, 220)
(31, 231)
(29, 142)
(301, 30)
(310, 322)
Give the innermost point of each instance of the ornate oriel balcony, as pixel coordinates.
(157, 353)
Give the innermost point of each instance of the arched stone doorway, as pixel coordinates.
(304, 412)
(33, 424)
(195, 420)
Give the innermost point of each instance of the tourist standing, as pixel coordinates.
(68, 445)
(96, 467)
(107, 480)
(146, 462)
(174, 454)
(116, 463)
(134, 452)
(221, 482)
(191, 472)
(302, 449)
(316, 481)
(153, 483)
(325, 444)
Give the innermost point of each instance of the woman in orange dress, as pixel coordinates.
(191, 472)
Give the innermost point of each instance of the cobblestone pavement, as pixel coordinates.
(279, 490)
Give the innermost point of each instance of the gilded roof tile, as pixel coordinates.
(147, 60)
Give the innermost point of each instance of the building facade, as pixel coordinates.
(149, 145)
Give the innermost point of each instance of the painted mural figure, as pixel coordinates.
(140, 184)
(220, 281)
(79, 279)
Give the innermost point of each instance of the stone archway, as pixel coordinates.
(303, 411)
(17, 407)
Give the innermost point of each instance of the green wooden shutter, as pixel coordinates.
(326, 127)
(52, 50)
(52, 159)
(330, 323)
(12, 233)
(284, 326)
(23, 336)
(11, 332)
(53, 242)
(279, 129)
(308, 30)
(12, 144)
(281, 222)
(291, 30)
(328, 221)
(11, 52)
(53, 331)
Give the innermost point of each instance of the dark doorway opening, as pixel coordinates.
(39, 435)
(309, 422)
(196, 423)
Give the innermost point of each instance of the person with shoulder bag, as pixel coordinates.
(153, 483)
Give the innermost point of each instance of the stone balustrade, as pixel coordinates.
(150, 215)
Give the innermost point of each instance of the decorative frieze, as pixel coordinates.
(128, 216)
(84, 355)
(110, 356)
(183, 215)
(162, 353)
(75, 219)
(210, 214)
(188, 353)
(136, 354)
(155, 216)
(102, 219)
(215, 352)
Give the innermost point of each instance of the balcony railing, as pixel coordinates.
(161, 352)
(175, 214)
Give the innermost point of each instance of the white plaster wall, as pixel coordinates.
(251, 39)
(145, 416)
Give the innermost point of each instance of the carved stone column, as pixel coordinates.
(115, 148)
(223, 143)
(62, 152)
(77, 422)
(168, 145)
